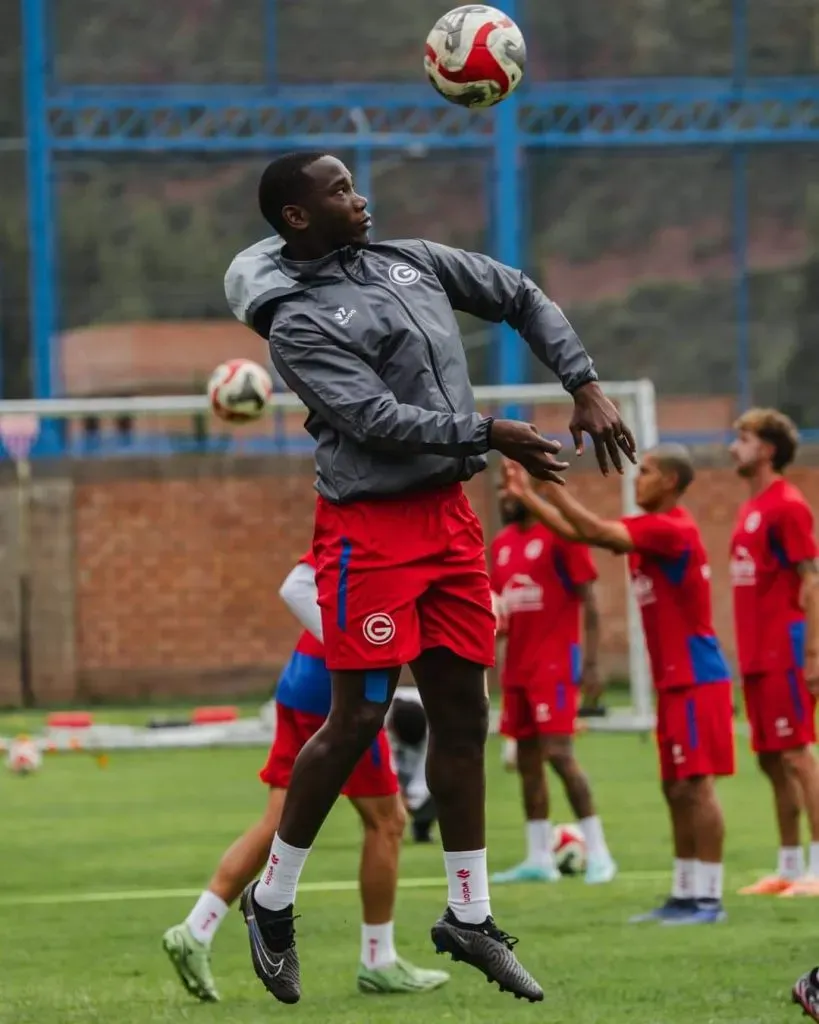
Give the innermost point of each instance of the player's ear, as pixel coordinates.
(296, 217)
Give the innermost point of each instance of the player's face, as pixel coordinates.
(336, 214)
(748, 452)
(511, 511)
(652, 485)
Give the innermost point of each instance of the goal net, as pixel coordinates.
(143, 565)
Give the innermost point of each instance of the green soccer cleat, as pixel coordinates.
(399, 977)
(192, 962)
(527, 873)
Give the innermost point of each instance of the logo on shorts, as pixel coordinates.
(403, 273)
(677, 754)
(533, 549)
(783, 728)
(379, 628)
(542, 713)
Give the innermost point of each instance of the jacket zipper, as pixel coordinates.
(430, 349)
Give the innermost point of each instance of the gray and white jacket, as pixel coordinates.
(368, 339)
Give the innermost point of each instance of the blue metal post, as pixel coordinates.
(511, 353)
(42, 225)
(739, 166)
(270, 44)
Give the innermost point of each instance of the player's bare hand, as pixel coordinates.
(812, 673)
(595, 415)
(522, 443)
(591, 685)
(515, 481)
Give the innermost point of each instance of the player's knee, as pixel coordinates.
(680, 793)
(383, 815)
(564, 764)
(797, 760)
(358, 726)
(464, 733)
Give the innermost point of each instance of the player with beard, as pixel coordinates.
(366, 335)
(544, 583)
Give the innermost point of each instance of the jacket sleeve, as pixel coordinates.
(479, 285)
(343, 390)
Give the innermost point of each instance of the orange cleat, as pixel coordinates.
(770, 885)
(807, 886)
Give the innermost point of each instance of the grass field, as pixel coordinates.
(97, 862)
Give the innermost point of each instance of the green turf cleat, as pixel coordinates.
(527, 873)
(192, 962)
(399, 977)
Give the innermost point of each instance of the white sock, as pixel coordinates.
(684, 879)
(709, 881)
(468, 883)
(205, 918)
(813, 860)
(276, 888)
(378, 945)
(539, 843)
(791, 862)
(592, 829)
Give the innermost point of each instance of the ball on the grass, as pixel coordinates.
(239, 390)
(569, 849)
(23, 756)
(475, 56)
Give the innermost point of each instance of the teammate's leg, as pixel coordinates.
(454, 695)
(381, 969)
(801, 766)
(788, 807)
(360, 701)
(559, 751)
(539, 865)
(188, 944)
(708, 824)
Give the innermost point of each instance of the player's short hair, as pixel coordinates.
(284, 183)
(408, 721)
(777, 429)
(676, 459)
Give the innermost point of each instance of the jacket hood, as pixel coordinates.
(257, 276)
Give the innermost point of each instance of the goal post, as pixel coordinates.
(156, 414)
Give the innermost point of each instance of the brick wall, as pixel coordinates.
(159, 577)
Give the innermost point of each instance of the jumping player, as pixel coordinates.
(670, 575)
(302, 704)
(543, 582)
(365, 334)
(776, 615)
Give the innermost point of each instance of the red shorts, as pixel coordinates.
(780, 711)
(695, 731)
(546, 709)
(401, 575)
(373, 776)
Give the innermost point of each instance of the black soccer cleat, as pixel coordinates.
(487, 948)
(806, 993)
(273, 947)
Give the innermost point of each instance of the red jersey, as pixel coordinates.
(773, 534)
(537, 576)
(671, 578)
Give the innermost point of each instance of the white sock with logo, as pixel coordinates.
(276, 889)
(378, 945)
(708, 881)
(791, 862)
(684, 879)
(205, 918)
(596, 846)
(468, 884)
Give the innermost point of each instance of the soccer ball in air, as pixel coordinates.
(569, 849)
(24, 756)
(239, 390)
(475, 56)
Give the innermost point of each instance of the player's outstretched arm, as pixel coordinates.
(300, 593)
(479, 285)
(591, 528)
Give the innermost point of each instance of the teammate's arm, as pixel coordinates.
(590, 680)
(300, 593)
(516, 484)
(809, 598)
(479, 285)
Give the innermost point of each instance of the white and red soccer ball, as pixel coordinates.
(23, 757)
(239, 390)
(569, 849)
(475, 56)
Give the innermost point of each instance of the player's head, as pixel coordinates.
(664, 475)
(765, 438)
(408, 721)
(309, 199)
